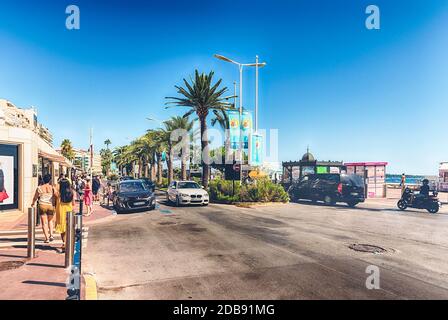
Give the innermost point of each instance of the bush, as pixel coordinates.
(163, 184)
(263, 190)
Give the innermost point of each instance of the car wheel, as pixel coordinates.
(118, 211)
(434, 208)
(329, 200)
(352, 204)
(402, 205)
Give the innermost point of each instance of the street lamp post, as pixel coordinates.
(240, 68)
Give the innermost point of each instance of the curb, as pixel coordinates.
(91, 291)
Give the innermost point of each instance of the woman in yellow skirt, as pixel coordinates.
(65, 203)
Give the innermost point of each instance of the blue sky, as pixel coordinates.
(350, 93)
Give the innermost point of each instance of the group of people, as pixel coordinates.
(54, 203)
(55, 200)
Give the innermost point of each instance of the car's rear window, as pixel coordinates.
(352, 179)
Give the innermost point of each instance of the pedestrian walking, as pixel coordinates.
(65, 203)
(109, 193)
(45, 194)
(88, 197)
(96, 184)
(403, 183)
(80, 185)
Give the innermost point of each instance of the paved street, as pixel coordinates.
(283, 251)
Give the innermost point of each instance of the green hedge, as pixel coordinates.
(263, 190)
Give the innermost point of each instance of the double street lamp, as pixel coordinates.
(241, 67)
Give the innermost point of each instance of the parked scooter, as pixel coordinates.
(417, 201)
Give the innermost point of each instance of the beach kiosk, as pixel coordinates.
(374, 174)
(294, 171)
(443, 177)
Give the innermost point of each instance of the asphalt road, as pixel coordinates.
(285, 251)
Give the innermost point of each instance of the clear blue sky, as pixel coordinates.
(350, 93)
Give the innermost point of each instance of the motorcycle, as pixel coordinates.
(417, 201)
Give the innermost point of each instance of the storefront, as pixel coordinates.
(443, 177)
(25, 153)
(374, 174)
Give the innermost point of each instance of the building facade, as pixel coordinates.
(82, 161)
(26, 153)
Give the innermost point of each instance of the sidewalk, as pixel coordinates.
(44, 277)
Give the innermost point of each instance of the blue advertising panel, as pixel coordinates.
(234, 129)
(246, 128)
(256, 150)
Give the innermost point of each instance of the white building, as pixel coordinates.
(26, 153)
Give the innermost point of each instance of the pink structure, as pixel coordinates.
(374, 174)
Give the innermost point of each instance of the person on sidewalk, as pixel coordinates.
(403, 183)
(96, 184)
(88, 197)
(46, 196)
(80, 185)
(65, 203)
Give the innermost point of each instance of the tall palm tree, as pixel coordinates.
(202, 97)
(185, 125)
(158, 139)
(67, 149)
(107, 143)
(122, 157)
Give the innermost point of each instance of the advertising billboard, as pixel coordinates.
(234, 129)
(256, 150)
(246, 128)
(9, 183)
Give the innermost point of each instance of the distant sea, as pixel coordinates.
(396, 178)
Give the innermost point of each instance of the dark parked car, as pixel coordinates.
(133, 195)
(330, 188)
(151, 185)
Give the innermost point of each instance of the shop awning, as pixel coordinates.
(55, 158)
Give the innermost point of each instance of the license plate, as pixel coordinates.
(139, 203)
(354, 194)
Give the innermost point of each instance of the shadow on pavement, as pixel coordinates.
(38, 247)
(45, 265)
(44, 283)
(359, 207)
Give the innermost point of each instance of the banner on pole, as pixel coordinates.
(256, 150)
(234, 129)
(246, 128)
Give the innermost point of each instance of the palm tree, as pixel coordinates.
(122, 157)
(107, 143)
(67, 149)
(159, 145)
(201, 96)
(106, 160)
(173, 124)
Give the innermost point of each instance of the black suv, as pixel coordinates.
(330, 188)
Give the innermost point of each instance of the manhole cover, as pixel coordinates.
(370, 248)
(9, 265)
